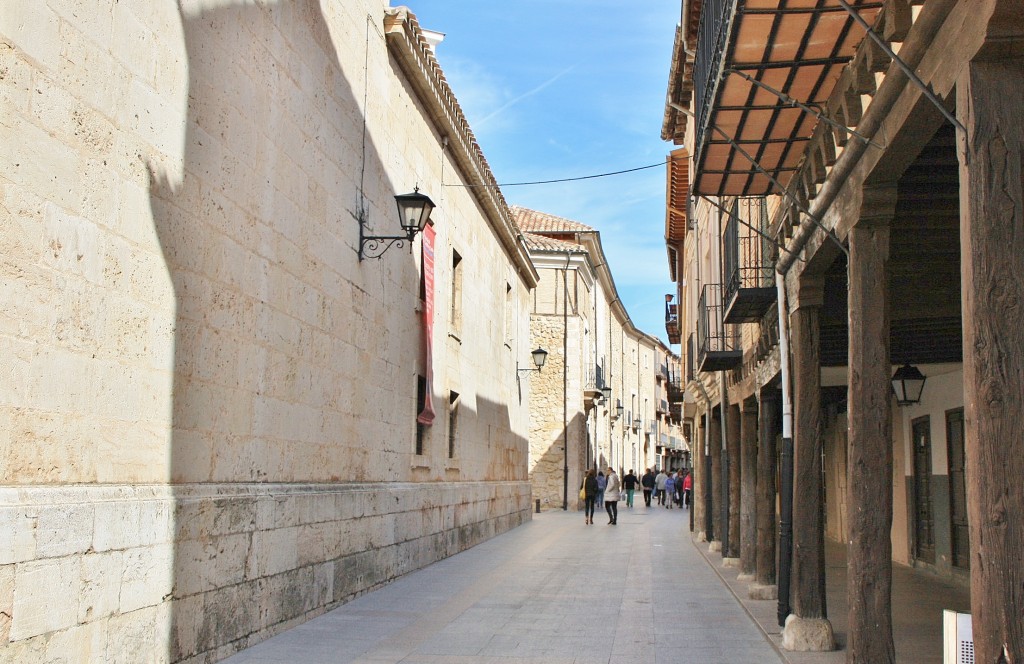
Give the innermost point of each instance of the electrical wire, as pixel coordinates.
(584, 177)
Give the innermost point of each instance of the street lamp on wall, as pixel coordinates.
(413, 213)
(606, 392)
(540, 356)
(907, 384)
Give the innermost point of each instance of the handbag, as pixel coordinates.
(583, 493)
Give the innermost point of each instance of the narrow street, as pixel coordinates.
(552, 591)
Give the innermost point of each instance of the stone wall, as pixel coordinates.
(208, 408)
(106, 573)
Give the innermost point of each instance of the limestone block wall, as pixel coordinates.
(207, 408)
(547, 460)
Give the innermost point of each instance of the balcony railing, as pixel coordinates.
(749, 270)
(712, 35)
(691, 354)
(672, 323)
(717, 344)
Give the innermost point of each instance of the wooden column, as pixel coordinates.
(748, 486)
(990, 98)
(810, 630)
(714, 513)
(869, 468)
(767, 466)
(697, 490)
(735, 469)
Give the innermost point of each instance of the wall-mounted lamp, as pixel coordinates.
(606, 392)
(540, 356)
(413, 212)
(619, 410)
(908, 383)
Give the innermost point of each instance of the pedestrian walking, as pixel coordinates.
(629, 483)
(670, 485)
(647, 482)
(602, 482)
(659, 486)
(589, 496)
(687, 488)
(611, 496)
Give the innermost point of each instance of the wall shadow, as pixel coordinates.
(256, 239)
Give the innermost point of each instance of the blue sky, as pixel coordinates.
(566, 88)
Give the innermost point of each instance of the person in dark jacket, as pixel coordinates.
(647, 482)
(629, 483)
(590, 496)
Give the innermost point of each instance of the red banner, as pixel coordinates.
(427, 416)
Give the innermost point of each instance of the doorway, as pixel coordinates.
(960, 536)
(924, 525)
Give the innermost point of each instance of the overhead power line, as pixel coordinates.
(583, 177)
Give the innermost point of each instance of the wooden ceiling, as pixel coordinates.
(924, 266)
(677, 194)
(797, 47)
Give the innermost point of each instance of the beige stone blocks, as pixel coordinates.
(193, 568)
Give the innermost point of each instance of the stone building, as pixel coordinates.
(215, 407)
(843, 220)
(599, 388)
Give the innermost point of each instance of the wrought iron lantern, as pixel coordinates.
(540, 356)
(907, 384)
(413, 213)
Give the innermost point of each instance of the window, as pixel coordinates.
(421, 401)
(508, 315)
(456, 313)
(453, 421)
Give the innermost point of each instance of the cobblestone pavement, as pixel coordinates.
(551, 591)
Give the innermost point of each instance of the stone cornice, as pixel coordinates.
(407, 44)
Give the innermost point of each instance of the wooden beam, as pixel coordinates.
(748, 490)
(735, 470)
(808, 574)
(990, 96)
(767, 464)
(869, 446)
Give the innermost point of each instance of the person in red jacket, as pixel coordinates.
(687, 488)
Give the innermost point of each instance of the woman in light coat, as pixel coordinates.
(611, 496)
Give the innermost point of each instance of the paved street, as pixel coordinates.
(552, 591)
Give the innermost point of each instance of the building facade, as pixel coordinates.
(221, 412)
(838, 220)
(599, 395)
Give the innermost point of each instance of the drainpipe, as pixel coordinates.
(786, 462)
(565, 382)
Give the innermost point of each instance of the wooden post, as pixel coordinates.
(697, 469)
(735, 489)
(767, 431)
(713, 512)
(808, 627)
(990, 96)
(748, 486)
(869, 445)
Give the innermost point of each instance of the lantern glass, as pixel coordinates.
(414, 210)
(908, 384)
(539, 357)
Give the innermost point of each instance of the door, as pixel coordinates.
(924, 527)
(961, 544)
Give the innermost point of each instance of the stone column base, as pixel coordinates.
(730, 562)
(807, 634)
(759, 591)
(746, 578)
